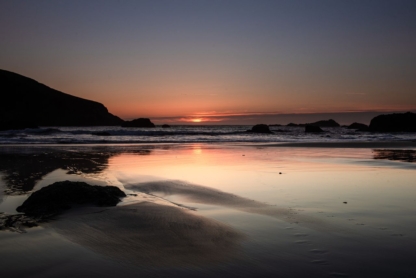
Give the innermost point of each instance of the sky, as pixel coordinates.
(219, 62)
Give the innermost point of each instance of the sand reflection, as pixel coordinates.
(148, 233)
(24, 167)
(209, 196)
(395, 155)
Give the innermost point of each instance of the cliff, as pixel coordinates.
(23, 98)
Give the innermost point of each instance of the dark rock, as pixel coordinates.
(16, 125)
(397, 122)
(55, 198)
(311, 128)
(328, 123)
(141, 122)
(292, 124)
(275, 125)
(260, 128)
(102, 133)
(165, 126)
(23, 98)
(358, 126)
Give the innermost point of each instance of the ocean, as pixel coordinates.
(213, 201)
(188, 134)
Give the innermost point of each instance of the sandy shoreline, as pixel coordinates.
(224, 209)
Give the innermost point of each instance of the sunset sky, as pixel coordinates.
(219, 61)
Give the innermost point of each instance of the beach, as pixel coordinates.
(208, 139)
(235, 210)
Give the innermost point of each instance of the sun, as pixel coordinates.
(197, 120)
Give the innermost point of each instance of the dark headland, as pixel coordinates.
(24, 99)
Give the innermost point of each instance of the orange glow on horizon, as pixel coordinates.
(192, 119)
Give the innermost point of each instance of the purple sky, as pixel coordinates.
(219, 61)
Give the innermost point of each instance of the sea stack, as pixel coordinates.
(141, 122)
(358, 126)
(325, 123)
(260, 128)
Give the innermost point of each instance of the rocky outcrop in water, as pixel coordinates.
(23, 98)
(397, 122)
(325, 123)
(260, 128)
(294, 125)
(358, 126)
(141, 122)
(60, 196)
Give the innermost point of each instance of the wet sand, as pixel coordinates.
(222, 210)
(208, 196)
(151, 234)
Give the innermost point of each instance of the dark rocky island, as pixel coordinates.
(295, 125)
(397, 122)
(165, 126)
(358, 126)
(260, 128)
(141, 122)
(325, 123)
(60, 196)
(24, 99)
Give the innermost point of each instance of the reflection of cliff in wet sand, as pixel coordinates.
(23, 169)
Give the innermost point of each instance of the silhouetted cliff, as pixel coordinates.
(23, 98)
(397, 122)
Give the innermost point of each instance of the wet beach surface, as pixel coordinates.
(217, 210)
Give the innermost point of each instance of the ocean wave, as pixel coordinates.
(186, 134)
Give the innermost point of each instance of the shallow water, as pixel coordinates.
(325, 212)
